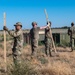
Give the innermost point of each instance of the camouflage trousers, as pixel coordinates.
(34, 46)
(48, 46)
(72, 43)
(16, 55)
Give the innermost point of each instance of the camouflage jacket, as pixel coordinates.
(47, 33)
(18, 38)
(72, 32)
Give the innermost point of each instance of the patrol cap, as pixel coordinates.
(72, 23)
(34, 23)
(49, 22)
(18, 23)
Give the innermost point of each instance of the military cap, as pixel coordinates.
(18, 23)
(72, 23)
(34, 23)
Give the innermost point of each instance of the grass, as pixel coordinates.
(22, 69)
(64, 64)
(56, 69)
(43, 60)
(1, 46)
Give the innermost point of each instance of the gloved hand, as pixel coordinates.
(5, 28)
(49, 24)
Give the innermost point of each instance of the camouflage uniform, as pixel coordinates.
(72, 36)
(34, 33)
(48, 42)
(17, 45)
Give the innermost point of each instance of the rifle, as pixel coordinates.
(50, 31)
(5, 41)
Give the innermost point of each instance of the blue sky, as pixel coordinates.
(60, 12)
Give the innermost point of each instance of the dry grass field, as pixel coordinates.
(61, 63)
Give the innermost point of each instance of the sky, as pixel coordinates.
(60, 12)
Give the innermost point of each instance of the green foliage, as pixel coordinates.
(43, 60)
(24, 44)
(59, 45)
(1, 38)
(65, 27)
(40, 43)
(7, 38)
(64, 43)
(22, 69)
(1, 46)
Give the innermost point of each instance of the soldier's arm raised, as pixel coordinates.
(14, 34)
(6, 29)
(44, 27)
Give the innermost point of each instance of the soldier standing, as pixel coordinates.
(34, 34)
(72, 35)
(48, 40)
(18, 42)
